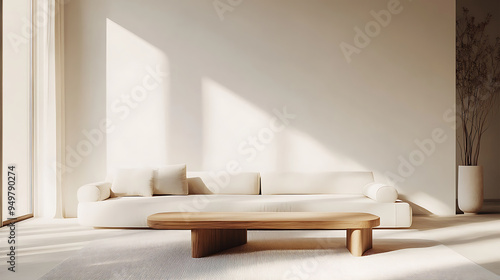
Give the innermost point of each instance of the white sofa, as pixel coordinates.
(249, 192)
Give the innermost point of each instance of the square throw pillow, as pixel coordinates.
(133, 182)
(171, 179)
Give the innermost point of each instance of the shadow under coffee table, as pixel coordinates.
(212, 232)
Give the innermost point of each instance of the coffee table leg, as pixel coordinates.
(359, 240)
(205, 242)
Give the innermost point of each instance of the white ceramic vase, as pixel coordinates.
(470, 188)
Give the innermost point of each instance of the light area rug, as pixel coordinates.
(287, 255)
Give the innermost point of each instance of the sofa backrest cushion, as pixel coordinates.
(170, 179)
(132, 182)
(223, 183)
(314, 183)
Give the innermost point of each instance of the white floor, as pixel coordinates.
(42, 244)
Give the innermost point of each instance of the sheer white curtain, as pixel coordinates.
(47, 24)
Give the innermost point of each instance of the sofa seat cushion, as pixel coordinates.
(133, 211)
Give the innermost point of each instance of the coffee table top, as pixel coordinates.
(262, 220)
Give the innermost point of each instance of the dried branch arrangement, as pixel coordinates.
(477, 83)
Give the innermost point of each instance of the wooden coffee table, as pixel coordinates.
(212, 232)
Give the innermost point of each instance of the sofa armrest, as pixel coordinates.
(94, 192)
(380, 192)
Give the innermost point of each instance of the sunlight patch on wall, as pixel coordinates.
(301, 152)
(235, 129)
(137, 95)
(230, 129)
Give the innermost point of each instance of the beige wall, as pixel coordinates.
(228, 78)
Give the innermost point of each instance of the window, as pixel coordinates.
(17, 111)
